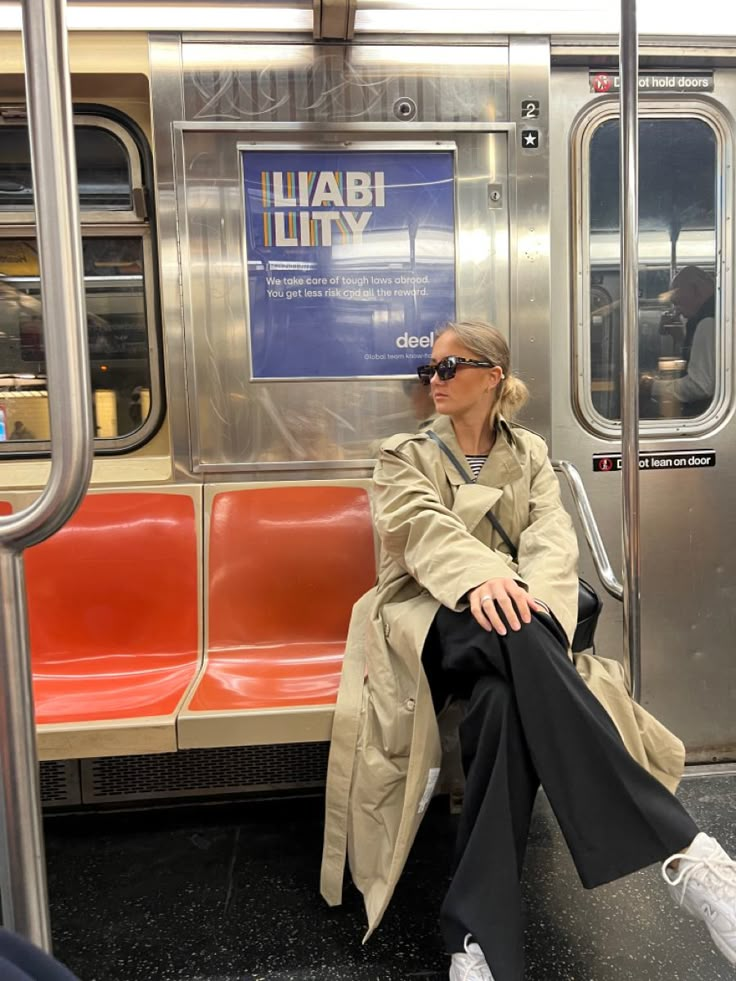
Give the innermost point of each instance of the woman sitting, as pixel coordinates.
(455, 616)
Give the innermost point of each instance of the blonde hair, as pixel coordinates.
(489, 344)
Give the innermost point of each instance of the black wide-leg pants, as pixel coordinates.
(531, 719)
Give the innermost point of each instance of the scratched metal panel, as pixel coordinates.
(344, 83)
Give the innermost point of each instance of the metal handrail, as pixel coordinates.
(24, 897)
(590, 529)
(628, 66)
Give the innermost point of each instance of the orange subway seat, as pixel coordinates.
(286, 565)
(271, 676)
(112, 603)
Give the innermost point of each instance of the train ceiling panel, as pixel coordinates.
(337, 19)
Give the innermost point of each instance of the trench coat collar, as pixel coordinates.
(502, 466)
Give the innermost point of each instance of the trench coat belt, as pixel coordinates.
(345, 730)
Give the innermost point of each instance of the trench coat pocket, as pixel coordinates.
(388, 725)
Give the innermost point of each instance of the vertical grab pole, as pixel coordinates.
(24, 895)
(23, 880)
(629, 74)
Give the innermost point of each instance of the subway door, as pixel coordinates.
(688, 434)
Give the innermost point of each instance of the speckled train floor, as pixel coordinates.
(230, 894)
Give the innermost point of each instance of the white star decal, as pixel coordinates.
(530, 140)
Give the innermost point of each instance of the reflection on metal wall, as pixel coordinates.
(238, 422)
(415, 99)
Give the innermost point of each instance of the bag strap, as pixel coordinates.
(469, 480)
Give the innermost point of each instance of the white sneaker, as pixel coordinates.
(705, 885)
(470, 966)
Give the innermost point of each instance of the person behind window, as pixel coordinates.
(453, 616)
(421, 400)
(21, 431)
(693, 296)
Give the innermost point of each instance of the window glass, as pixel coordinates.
(103, 170)
(678, 288)
(117, 332)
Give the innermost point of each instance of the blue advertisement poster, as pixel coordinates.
(351, 259)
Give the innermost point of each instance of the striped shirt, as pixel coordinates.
(476, 462)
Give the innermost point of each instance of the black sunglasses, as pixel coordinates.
(447, 368)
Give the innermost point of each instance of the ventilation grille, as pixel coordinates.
(60, 783)
(199, 772)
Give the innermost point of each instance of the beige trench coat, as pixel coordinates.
(436, 545)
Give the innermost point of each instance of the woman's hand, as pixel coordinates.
(494, 596)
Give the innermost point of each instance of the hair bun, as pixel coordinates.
(514, 396)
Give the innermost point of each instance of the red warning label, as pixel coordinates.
(657, 460)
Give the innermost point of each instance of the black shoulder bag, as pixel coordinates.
(589, 602)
